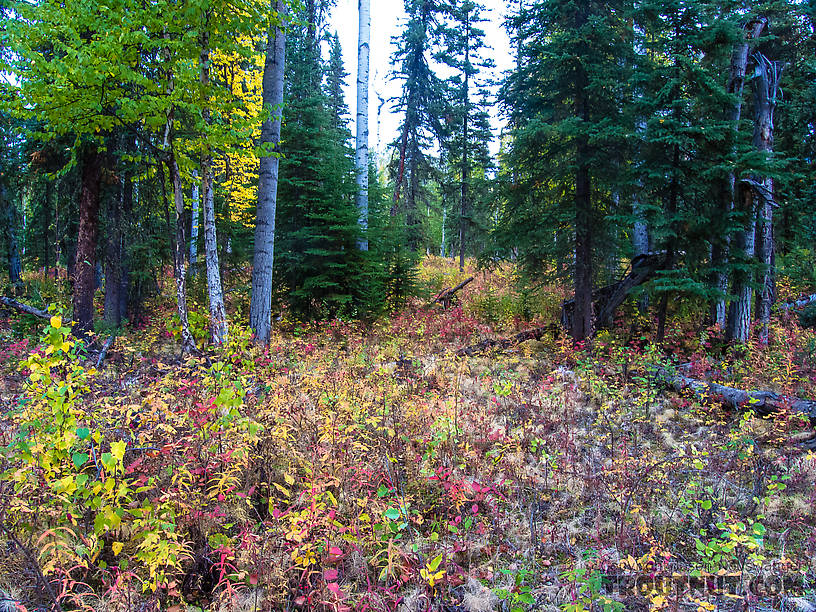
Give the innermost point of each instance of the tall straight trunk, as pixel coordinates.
(766, 85)
(411, 216)
(401, 165)
(738, 325)
(15, 269)
(361, 157)
(187, 342)
(46, 227)
(735, 87)
(114, 248)
(127, 234)
(260, 310)
(85, 265)
(582, 323)
(195, 219)
(671, 209)
(442, 249)
(179, 244)
(218, 313)
(465, 205)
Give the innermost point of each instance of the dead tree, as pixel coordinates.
(447, 295)
(606, 300)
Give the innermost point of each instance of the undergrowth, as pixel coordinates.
(355, 466)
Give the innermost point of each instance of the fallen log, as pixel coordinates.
(20, 307)
(503, 344)
(798, 303)
(763, 402)
(446, 296)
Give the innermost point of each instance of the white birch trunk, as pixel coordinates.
(260, 310)
(361, 157)
(218, 313)
(194, 224)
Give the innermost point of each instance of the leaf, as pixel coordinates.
(56, 322)
(290, 480)
(433, 564)
(79, 459)
(117, 548)
(392, 514)
(83, 433)
(118, 450)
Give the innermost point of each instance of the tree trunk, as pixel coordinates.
(735, 87)
(640, 241)
(187, 342)
(113, 261)
(738, 325)
(195, 218)
(766, 85)
(582, 327)
(85, 265)
(361, 158)
(12, 243)
(465, 205)
(218, 314)
(46, 228)
(260, 311)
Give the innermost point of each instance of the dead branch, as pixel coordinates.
(104, 352)
(506, 343)
(607, 299)
(25, 308)
(446, 296)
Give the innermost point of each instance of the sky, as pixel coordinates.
(387, 20)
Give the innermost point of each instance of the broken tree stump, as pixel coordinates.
(607, 299)
(447, 295)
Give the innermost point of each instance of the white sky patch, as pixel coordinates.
(387, 20)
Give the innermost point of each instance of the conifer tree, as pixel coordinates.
(567, 99)
(468, 132)
(319, 263)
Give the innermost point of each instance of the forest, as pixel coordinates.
(540, 337)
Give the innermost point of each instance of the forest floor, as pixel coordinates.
(356, 466)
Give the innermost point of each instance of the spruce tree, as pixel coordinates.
(319, 264)
(567, 100)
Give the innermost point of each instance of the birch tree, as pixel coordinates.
(361, 158)
(260, 311)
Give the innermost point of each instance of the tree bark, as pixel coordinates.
(465, 205)
(766, 85)
(361, 158)
(85, 266)
(195, 217)
(738, 326)
(260, 311)
(113, 261)
(762, 402)
(218, 314)
(734, 87)
(582, 323)
(187, 342)
(36, 312)
(15, 268)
